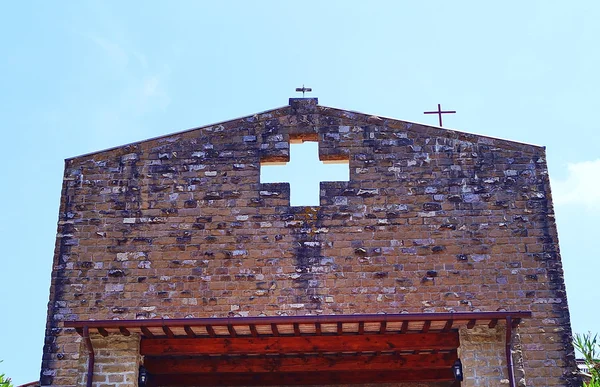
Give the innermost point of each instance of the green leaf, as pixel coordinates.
(589, 346)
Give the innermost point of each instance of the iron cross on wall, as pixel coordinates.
(439, 112)
(303, 90)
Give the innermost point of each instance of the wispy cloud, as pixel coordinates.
(115, 52)
(148, 93)
(581, 187)
(143, 83)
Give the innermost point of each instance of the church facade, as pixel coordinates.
(436, 264)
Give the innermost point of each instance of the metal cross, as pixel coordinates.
(303, 90)
(439, 112)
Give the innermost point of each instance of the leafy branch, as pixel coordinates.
(5, 381)
(589, 346)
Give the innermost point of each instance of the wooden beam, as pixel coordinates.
(299, 344)
(447, 326)
(309, 319)
(231, 330)
(274, 329)
(382, 327)
(168, 332)
(303, 378)
(404, 327)
(426, 326)
(147, 332)
(235, 364)
(253, 330)
(188, 330)
(210, 330)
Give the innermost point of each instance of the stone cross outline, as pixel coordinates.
(311, 174)
(439, 112)
(303, 90)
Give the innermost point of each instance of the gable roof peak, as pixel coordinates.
(301, 105)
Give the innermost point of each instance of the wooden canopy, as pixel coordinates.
(300, 350)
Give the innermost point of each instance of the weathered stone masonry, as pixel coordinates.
(432, 220)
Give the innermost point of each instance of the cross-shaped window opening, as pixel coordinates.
(304, 172)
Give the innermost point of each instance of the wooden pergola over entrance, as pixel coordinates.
(300, 350)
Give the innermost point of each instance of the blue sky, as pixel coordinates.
(84, 76)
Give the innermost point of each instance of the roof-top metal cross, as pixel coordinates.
(439, 112)
(303, 90)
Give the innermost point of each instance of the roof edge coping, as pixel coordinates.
(299, 103)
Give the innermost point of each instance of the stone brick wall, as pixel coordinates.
(432, 220)
(117, 361)
(483, 355)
